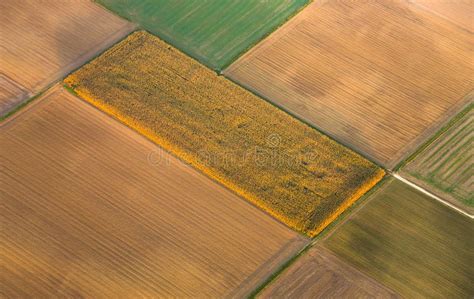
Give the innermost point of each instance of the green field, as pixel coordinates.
(213, 31)
(410, 242)
(446, 165)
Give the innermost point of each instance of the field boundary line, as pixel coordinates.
(18, 100)
(266, 41)
(148, 139)
(323, 235)
(90, 54)
(423, 190)
(309, 124)
(439, 131)
(359, 205)
(57, 78)
(433, 131)
(283, 267)
(293, 247)
(29, 104)
(267, 35)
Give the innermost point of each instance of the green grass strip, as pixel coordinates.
(441, 131)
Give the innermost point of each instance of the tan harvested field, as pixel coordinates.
(460, 12)
(379, 76)
(10, 94)
(44, 40)
(320, 274)
(92, 209)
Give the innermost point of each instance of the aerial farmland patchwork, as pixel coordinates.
(380, 76)
(214, 32)
(90, 204)
(236, 149)
(445, 166)
(226, 132)
(411, 243)
(320, 273)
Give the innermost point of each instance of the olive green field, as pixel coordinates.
(410, 242)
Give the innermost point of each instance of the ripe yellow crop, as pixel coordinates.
(290, 170)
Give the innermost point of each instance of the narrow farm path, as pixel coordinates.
(397, 176)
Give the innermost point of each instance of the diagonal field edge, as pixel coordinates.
(397, 176)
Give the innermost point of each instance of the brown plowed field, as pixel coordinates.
(320, 274)
(44, 40)
(380, 76)
(92, 209)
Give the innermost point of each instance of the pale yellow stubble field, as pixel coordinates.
(460, 12)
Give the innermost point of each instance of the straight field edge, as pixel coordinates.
(21, 105)
(176, 44)
(450, 121)
(355, 196)
(390, 166)
(324, 234)
(207, 62)
(308, 123)
(233, 59)
(29, 104)
(181, 156)
(97, 50)
(435, 190)
(279, 271)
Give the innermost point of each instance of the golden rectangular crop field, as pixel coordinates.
(321, 274)
(297, 174)
(91, 209)
(42, 41)
(380, 76)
